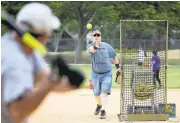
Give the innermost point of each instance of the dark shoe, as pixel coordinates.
(103, 114)
(98, 109)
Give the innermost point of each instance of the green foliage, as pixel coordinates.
(106, 12)
(98, 12)
(105, 15)
(12, 8)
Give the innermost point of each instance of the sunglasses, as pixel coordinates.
(36, 35)
(97, 34)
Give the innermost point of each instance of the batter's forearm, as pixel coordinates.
(23, 107)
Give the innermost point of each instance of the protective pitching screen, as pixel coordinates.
(143, 56)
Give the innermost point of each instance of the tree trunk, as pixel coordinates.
(58, 38)
(79, 43)
(78, 51)
(56, 43)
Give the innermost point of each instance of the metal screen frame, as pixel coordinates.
(139, 117)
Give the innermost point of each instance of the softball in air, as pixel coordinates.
(89, 26)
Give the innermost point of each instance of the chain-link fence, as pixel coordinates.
(64, 45)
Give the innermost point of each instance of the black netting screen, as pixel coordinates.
(143, 87)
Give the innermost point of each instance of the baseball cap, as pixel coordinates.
(37, 18)
(96, 31)
(155, 52)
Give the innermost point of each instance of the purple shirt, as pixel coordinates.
(156, 62)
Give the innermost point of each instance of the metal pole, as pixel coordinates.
(166, 61)
(143, 20)
(121, 81)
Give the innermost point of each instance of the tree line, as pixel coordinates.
(102, 14)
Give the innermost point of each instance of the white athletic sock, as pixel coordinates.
(104, 101)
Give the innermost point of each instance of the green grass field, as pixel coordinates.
(173, 76)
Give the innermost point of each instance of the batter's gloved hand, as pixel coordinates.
(59, 68)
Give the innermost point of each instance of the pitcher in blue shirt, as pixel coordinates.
(101, 54)
(155, 60)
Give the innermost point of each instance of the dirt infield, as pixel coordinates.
(78, 107)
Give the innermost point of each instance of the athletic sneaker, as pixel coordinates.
(98, 109)
(103, 114)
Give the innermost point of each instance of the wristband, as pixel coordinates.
(117, 66)
(95, 47)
